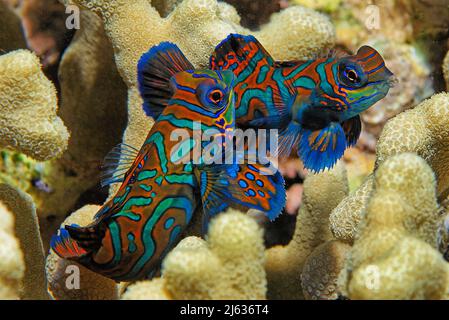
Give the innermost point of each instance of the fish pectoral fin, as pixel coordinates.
(215, 188)
(116, 163)
(154, 72)
(242, 187)
(352, 128)
(320, 149)
(260, 187)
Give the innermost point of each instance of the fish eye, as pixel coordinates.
(216, 95)
(351, 75)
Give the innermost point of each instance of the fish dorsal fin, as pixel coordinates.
(237, 52)
(117, 162)
(154, 71)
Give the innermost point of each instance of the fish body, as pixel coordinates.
(315, 104)
(167, 179)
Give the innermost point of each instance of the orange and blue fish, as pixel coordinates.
(314, 104)
(159, 193)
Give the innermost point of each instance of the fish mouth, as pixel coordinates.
(392, 81)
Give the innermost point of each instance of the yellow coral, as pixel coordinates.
(12, 266)
(446, 69)
(93, 107)
(229, 265)
(422, 130)
(91, 285)
(319, 278)
(322, 192)
(28, 121)
(21, 205)
(394, 255)
(345, 218)
(297, 33)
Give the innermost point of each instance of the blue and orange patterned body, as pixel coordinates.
(168, 179)
(315, 104)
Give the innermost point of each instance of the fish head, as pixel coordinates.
(363, 79)
(206, 96)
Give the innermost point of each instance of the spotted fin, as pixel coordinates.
(117, 162)
(237, 52)
(320, 149)
(352, 129)
(154, 71)
(66, 247)
(242, 187)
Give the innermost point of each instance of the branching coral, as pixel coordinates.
(12, 266)
(395, 255)
(93, 107)
(59, 271)
(11, 36)
(319, 278)
(446, 69)
(28, 121)
(322, 192)
(229, 265)
(422, 130)
(34, 285)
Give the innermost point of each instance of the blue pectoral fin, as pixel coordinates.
(321, 149)
(242, 187)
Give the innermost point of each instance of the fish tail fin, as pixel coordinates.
(321, 149)
(74, 242)
(154, 71)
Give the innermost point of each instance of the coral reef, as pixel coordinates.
(28, 101)
(387, 239)
(11, 35)
(228, 265)
(12, 266)
(397, 243)
(87, 284)
(322, 193)
(26, 230)
(93, 107)
(422, 130)
(446, 69)
(319, 278)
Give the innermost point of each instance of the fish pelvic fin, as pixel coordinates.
(154, 71)
(321, 149)
(352, 128)
(65, 246)
(75, 242)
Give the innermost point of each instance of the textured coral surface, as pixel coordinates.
(28, 121)
(374, 227)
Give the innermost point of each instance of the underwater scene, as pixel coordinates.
(224, 150)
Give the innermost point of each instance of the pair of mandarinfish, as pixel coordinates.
(315, 105)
